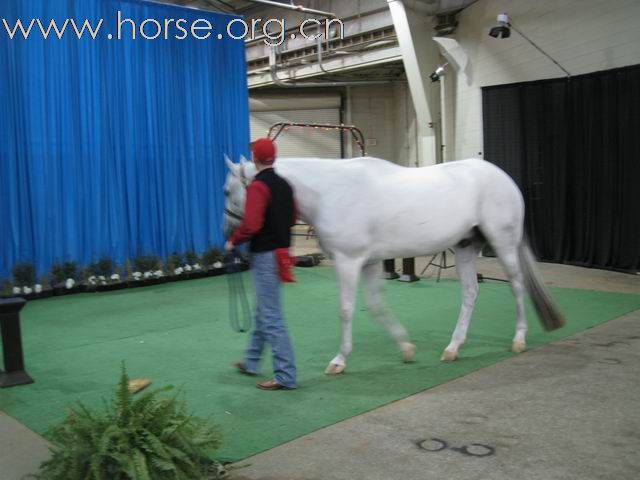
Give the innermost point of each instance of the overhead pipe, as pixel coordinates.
(281, 83)
(250, 41)
(319, 47)
(320, 61)
(298, 8)
(216, 5)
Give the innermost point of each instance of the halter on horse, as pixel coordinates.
(365, 210)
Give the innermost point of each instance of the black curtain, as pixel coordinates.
(573, 147)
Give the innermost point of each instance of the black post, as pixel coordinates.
(390, 269)
(14, 373)
(409, 270)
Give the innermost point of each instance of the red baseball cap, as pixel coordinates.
(264, 151)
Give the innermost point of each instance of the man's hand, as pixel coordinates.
(228, 246)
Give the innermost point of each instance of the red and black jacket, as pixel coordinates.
(269, 213)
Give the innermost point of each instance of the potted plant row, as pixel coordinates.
(65, 278)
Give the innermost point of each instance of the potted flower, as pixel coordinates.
(64, 278)
(102, 276)
(193, 265)
(183, 267)
(212, 261)
(146, 271)
(176, 267)
(24, 281)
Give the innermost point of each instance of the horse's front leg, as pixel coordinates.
(373, 283)
(348, 271)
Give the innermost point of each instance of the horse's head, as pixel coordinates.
(235, 187)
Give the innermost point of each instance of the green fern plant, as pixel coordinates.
(144, 437)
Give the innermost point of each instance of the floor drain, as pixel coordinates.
(433, 445)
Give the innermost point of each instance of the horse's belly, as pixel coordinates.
(424, 231)
(414, 246)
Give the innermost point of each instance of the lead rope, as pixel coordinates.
(237, 294)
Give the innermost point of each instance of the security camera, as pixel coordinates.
(439, 72)
(503, 30)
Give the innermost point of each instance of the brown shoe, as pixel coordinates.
(242, 368)
(272, 385)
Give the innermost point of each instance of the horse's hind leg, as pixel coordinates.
(466, 268)
(373, 283)
(348, 271)
(508, 256)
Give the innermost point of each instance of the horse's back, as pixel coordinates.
(369, 204)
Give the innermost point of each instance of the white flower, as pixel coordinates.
(178, 271)
(69, 283)
(188, 268)
(147, 274)
(101, 278)
(115, 277)
(27, 290)
(218, 264)
(37, 287)
(158, 273)
(197, 266)
(17, 290)
(136, 275)
(92, 280)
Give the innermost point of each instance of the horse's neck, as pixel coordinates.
(305, 173)
(307, 177)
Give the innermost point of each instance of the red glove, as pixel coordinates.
(285, 264)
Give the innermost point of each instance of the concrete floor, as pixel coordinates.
(569, 410)
(21, 450)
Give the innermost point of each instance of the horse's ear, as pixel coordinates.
(233, 168)
(243, 160)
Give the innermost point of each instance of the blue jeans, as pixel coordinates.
(269, 322)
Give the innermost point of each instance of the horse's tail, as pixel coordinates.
(546, 308)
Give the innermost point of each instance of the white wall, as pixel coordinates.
(385, 115)
(582, 35)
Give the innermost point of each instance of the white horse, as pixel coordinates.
(365, 210)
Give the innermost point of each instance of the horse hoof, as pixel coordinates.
(408, 351)
(449, 356)
(518, 347)
(334, 369)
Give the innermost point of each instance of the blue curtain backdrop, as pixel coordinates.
(114, 147)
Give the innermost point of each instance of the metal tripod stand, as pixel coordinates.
(441, 265)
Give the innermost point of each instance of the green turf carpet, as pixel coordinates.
(179, 334)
